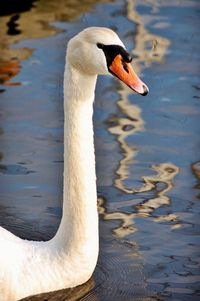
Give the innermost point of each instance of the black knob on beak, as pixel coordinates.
(145, 90)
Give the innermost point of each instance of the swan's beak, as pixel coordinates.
(125, 73)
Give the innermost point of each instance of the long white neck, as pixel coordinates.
(79, 225)
(69, 258)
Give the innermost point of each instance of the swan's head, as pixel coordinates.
(99, 50)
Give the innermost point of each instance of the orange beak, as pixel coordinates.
(125, 73)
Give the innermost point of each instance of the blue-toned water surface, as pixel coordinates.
(147, 148)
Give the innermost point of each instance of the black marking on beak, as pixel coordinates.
(111, 51)
(146, 91)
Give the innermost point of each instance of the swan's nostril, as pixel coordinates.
(145, 90)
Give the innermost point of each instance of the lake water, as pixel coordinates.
(147, 148)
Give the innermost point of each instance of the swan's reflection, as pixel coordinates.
(72, 294)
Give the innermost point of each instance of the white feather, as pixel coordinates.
(69, 259)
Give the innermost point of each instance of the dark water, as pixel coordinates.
(147, 149)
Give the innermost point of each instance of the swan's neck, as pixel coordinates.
(68, 259)
(79, 225)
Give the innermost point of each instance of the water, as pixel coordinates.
(147, 149)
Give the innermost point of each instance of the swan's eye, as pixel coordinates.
(99, 45)
(111, 51)
(127, 57)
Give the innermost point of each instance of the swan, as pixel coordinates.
(69, 258)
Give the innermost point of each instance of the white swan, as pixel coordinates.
(69, 258)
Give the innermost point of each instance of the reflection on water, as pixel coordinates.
(147, 149)
(72, 294)
(126, 220)
(165, 175)
(26, 21)
(151, 199)
(129, 124)
(196, 171)
(149, 47)
(126, 126)
(133, 122)
(8, 69)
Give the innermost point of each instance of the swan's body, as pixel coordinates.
(69, 259)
